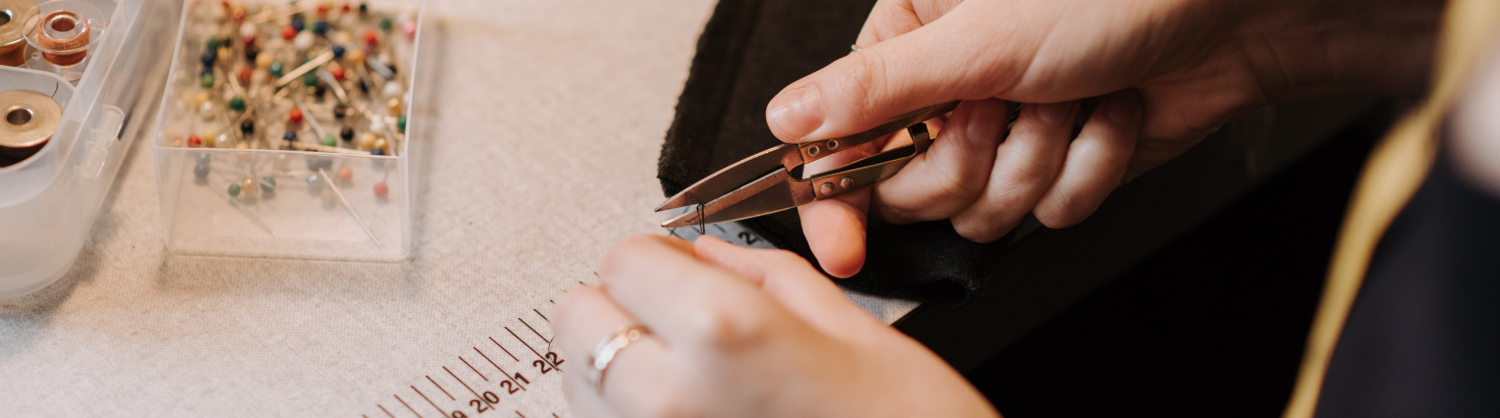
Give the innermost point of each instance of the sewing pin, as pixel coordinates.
(311, 121)
(379, 68)
(269, 14)
(340, 195)
(304, 68)
(249, 214)
(303, 146)
(338, 90)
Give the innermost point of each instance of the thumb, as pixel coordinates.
(866, 88)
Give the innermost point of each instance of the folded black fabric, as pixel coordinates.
(748, 52)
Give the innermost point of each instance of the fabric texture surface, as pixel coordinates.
(749, 51)
(543, 124)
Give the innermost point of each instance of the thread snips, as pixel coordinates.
(772, 180)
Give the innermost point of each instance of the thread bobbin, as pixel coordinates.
(63, 37)
(28, 120)
(13, 17)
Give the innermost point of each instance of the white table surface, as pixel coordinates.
(540, 153)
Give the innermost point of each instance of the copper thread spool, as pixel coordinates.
(27, 121)
(64, 32)
(13, 16)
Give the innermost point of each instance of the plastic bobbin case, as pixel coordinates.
(67, 121)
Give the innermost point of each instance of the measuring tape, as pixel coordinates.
(505, 374)
(730, 232)
(513, 364)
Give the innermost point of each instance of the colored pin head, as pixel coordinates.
(243, 76)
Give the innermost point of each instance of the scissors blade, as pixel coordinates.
(782, 157)
(772, 193)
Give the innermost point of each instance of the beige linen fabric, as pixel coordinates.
(540, 152)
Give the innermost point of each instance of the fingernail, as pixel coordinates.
(1122, 109)
(986, 118)
(1054, 113)
(796, 113)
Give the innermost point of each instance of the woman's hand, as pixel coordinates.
(739, 332)
(1167, 72)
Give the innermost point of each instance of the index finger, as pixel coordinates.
(659, 281)
(892, 18)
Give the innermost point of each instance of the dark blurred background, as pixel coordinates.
(1212, 324)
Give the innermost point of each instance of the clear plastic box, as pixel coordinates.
(49, 200)
(220, 195)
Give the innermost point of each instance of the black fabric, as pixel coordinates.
(748, 52)
(1211, 325)
(1423, 336)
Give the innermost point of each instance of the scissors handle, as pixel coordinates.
(813, 151)
(871, 169)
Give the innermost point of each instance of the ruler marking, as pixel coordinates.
(408, 407)
(502, 348)
(508, 377)
(471, 367)
(497, 367)
(533, 350)
(429, 401)
(538, 334)
(466, 386)
(533, 331)
(440, 387)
